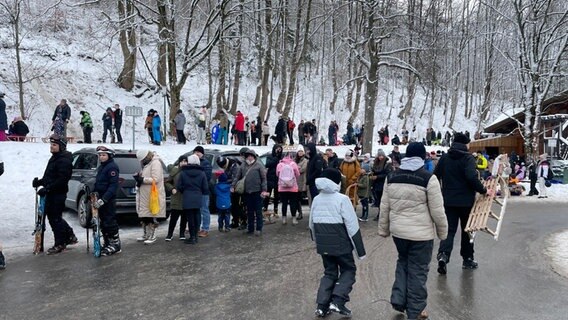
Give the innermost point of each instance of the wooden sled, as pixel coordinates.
(482, 217)
(355, 198)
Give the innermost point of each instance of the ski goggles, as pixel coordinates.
(58, 140)
(104, 149)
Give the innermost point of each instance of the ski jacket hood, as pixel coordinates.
(458, 150)
(412, 163)
(325, 185)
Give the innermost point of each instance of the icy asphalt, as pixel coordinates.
(275, 276)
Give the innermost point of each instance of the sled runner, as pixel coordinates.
(482, 217)
(354, 199)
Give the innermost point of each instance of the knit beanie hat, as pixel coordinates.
(461, 138)
(416, 149)
(142, 154)
(332, 174)
(193, 159)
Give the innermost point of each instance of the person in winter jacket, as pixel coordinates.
(152, 172)
(117, 122)
(334, 227)
(331, 133)
(223, 202)
(179, 122)
(156, 129)
(240, 128)
(106, 185)
(288, 173)
(395, 157)
(382, 166)
(201, 121)
(413, 213)
(543, 173)
(193, 185)
(332, 159)
(315, 167)
(230, 167)
(265, 133)
(428, 163)
(87, 126)
(302, 164)
(107, 125)
(60, 118)
(351, 169)
(363, 192)
(148, 124)
(271, 178)
(176, 199)
(55, 182)
(205, 214)
(481, 163)
(366, 163)
(254, 174)
(457, 172)
(18, 129)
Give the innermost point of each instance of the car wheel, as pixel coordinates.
(84, 211)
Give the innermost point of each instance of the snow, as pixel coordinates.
(23, 161)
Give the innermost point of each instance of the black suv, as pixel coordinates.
(85, 163)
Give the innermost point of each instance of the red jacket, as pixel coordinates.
(239, 122)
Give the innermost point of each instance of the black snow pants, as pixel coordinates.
(338, 279)
(409, 288)
(107, 215)
(457, 215)
(54, 206)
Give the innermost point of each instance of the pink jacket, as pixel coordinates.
(290, 161)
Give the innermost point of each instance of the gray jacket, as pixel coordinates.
(255, 180)
(179, 121)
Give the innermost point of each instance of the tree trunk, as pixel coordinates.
(238, 58)
(128, 45)
(162, 65)
(263, 112)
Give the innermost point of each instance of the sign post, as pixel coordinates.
(134, 112)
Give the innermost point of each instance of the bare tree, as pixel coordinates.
(128, 44)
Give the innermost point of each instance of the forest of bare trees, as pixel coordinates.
(486, 55)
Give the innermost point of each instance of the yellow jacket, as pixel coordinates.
(481, 162)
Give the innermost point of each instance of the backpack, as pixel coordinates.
(287, 177)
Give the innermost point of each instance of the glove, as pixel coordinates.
(42, 192)
(139, 180)
(99, 203)
(36, 183)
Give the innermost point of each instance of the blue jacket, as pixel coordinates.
(223, 192)
(206, 166)
(429, 165)
(193, 184)
(106, 184)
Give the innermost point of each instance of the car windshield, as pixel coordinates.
(127, 165)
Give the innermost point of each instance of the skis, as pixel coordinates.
(39, 224)
(96, 226)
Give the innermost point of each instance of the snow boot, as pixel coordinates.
(113, 246)
(340, 308)
(72, 240)
(322, 311)
(151, 233)
(284, 220)
(469, 263)
(144, 236)
(443, 260)
(294, 221)
(56, 249)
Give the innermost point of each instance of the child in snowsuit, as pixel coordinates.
(363, 194)
(223, 202)
(334, 227)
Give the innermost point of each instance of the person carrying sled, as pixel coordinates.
(106, 185)
(55, 182)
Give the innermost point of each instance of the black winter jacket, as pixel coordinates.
(106, 184)
(57, 173)
(271, 163)
(333, 162)
(457, 173)
(315, 165)
(193, 184)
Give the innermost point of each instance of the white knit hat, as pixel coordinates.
(193, 159)
(300, 148)
(141, 154)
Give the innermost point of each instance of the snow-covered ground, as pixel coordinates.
(24, 161)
